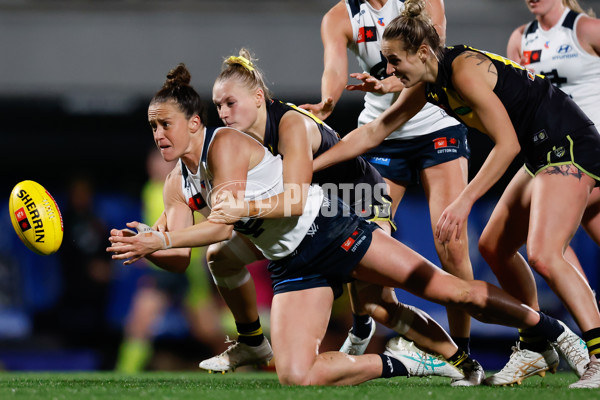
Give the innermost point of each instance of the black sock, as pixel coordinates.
(362, 326)
(392, 367)
(548, 328)
(529, 341)
(463, 343)
(458, 358)
(250, 334)
(592, 340)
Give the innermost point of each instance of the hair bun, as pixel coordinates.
(178, 76)
(413, 8)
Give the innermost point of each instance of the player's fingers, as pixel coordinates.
(459, 228)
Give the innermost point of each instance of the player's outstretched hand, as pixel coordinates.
(320, 110)
(128, 246)
(368, 83)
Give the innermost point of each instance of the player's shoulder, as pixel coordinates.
(337, 19)
(175, 175)
(337, 12)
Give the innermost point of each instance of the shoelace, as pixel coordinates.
(512, 360)
(593, 368)
(571, 350)
(233, 345)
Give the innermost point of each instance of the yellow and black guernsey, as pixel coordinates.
(551, 128)
(349, 177)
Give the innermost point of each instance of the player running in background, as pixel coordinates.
(430, 149)
(305, 237)
(521, 112)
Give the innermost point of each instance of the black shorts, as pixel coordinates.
(581, 149)
(328, 254)
(403, 160)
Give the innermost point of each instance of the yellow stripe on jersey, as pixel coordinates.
(463, 111)
(308, 114)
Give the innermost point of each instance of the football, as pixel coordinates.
(36, 217)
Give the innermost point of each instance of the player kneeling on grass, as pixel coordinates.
(314, 245)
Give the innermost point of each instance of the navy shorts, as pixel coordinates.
(403, 160)
(326, 257)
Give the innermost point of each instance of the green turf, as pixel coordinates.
(264, 386)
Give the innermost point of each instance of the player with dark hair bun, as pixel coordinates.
(313, 243)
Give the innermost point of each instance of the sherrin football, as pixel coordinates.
(36, 217)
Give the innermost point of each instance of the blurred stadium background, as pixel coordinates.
(75, 80)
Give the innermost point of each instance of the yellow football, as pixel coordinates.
(36, 217)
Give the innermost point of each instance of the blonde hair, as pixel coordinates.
(574, 5)
(243, 69)
(414, 27)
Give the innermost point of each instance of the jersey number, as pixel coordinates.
(251, 227)
(556, 79)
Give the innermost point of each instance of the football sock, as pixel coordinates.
(592, 340)
(392, 367)
(250, 334)
(532, 342)
(463, 343)
(458, 358)
(133, 355)
(547, 327)
(361, 326)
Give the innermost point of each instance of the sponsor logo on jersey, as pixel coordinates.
(547, 45)
(532, 56)
(367, 34)
(359, 15)
(565, 51)
(380, 22)
(559, 152)
(380, 160)
(196, 202)
(445, 145)
(530, 39)
(22, 219)
(312, 230)
(347, 245)
(540, 137)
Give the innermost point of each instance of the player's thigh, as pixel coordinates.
(507, 227)
(443, 183)
(558, 202)
(591, 216)
(389, 262)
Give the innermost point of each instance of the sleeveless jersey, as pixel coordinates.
(368, 25)
(351, 172)
(275, 238)
(541, 114)
(557, 54)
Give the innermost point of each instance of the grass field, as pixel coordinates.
(263, 385)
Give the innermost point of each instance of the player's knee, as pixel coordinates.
(471, 295)
(541, 260)
(488, 247)
(293, 376)
(226, 273)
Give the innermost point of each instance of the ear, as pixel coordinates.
(195, 123)
(423, 52)
(259, 97)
